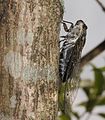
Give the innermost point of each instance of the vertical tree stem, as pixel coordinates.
(29, 34)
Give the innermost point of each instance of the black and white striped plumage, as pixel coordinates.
(70, 55)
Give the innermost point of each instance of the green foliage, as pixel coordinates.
(95, 92)
(61, 97)
(64, 117)
(99, 81)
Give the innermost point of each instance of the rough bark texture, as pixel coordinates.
(29, 32)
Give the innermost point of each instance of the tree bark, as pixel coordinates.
(29, 34)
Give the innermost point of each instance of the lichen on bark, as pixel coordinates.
(29, 34)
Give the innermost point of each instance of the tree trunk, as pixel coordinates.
(29, 34)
